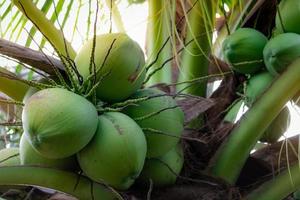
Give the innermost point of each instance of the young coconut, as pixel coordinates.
(9, 157)
(243, 50)
(288, 16)
(117, 153)
(281, 51)
(256, 85)
(29, 156)
(163, 170)
(119, 63)
(278, 126)
(58, 123)
(160, 118)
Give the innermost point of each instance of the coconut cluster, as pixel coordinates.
(261, 60)
(140, 142)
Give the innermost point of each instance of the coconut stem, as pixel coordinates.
(234, 152)
(111, 4)
(67, 182)
(279, 187)
(158, 32)
(195, 58)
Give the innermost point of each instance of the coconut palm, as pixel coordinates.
(185, 60)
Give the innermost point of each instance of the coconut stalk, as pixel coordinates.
(63, 181)
(113, 8)
(12, 88)
(195, 58)
(158, 32)
(233, 153)
(50, 32)
(279, 187)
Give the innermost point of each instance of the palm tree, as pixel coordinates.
(184, 59)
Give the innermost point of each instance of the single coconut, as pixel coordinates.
(243, 50)
(117, 153)
(163, 170)
(29, 156)
(160, 118)
(58, 123)
(119, 62)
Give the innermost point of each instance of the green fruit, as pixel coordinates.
(278, 127)
(281, 51)
(123, 68)
(117, 153)
(163, 170)
(288, 16)
(9, 157)
(29, 156)
(33, 90)
(257, 85)
(243, 50)
(164, 128)
(58, 123)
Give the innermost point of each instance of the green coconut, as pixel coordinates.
(243, 50)
(163, 170)
(288, 16)
(58, 123)
(281, 51)
(119, 60)
(9, 157)
(29, 156)
(278, 127)
(32, 90)
(160, 118)
(117, 153)
(257, 85)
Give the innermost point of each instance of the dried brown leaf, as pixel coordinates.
(193, 106)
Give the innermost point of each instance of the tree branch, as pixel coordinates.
(31, 57)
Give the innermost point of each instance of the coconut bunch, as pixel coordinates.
(118, 134)
(261, 60)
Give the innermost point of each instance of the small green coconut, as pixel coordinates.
(243, 50)
(29, 156)
(163, 171)
(278, 127)
(119, 61)
(9, 157)
(160, 118)
(281, 51)
(58, 123)
(257, 85)
(117, 153)
(288, 16)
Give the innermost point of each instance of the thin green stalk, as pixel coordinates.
(53, 35)
(158, 31)
(12, 88)
(232, 155)
(279, 187)
(111, 4)
(67, 182)
(195, 57)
